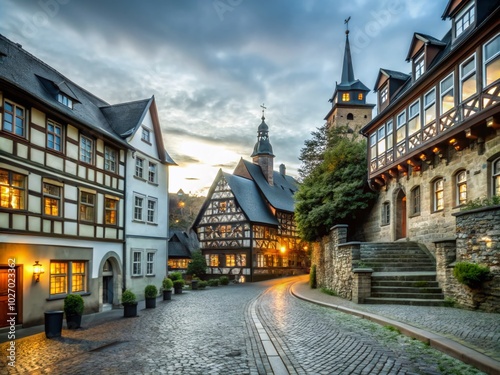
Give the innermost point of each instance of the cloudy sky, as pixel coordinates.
(211, 63)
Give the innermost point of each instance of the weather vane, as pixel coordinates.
(263, 108)
(346, 21)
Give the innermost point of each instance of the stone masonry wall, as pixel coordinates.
(429, 226)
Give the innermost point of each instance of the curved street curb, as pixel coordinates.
(441, 343)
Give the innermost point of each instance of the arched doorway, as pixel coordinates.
(107, 286)
(400, 215)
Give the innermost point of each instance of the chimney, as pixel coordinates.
(282, 169)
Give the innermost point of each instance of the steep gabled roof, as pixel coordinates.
(181, 244)
(280, 195)
(419, 40)
(125, 118)
(27, 73)
(385, 74)
(248, 198)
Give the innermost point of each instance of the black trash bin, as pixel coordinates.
(53, 323)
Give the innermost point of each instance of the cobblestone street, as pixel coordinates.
(257, 328)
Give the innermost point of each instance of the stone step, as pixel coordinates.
(389, 256)
(404, 276)
(406, 284)
(406, 289)
(390, 268)
(399, 263)
(408, 295)
(400, 301)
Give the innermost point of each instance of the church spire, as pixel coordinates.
(263, 151)
(347, 69)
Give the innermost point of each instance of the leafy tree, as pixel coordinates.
(198, 264)
(335, 191)
(312, 154)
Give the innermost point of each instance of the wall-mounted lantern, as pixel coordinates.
(37, 270)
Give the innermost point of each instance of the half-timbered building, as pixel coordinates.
(434, 144)
(246, 226)
(64, 160)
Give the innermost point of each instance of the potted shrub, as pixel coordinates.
(167, 285)
(194, 282)
(150, 292)
(175, 276)
(73, 308)
(178, 285)
(129, 303)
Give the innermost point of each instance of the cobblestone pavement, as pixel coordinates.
(236, 329)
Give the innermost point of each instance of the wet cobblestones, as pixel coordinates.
(220, 331)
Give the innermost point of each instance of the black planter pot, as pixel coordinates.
(130, 310)
(167, 295)
(177, 290)
(150, 302)
(73, 321)
(53, 323)
(194, 284)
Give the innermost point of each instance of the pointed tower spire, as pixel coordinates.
(263, 151)
(347, 69)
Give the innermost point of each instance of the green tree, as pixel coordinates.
(198, 264)
(335, 191)
(313, 152)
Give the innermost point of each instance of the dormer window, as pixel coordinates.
(346, 97)
(63, 99)
(464, 20)
(419, 66)
(384, 94)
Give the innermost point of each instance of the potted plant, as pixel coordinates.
(167, 285)
(150, 292)
(178, 285)
(73, 308)
(129, 303)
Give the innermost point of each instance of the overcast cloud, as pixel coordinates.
(211, 63)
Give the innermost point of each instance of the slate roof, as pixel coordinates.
(280, 195)
(181, 244)
(248, 198)
(29, 74)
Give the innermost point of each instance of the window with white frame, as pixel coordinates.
(68, 277)
(447, 94)
(152, 205)
(136, 262)
(491, 56)
(110, 159)
(12, 190)
(464, 19)
(14, 118)
(415, 200)
(86, 149)
(438, 197)
(52, 199)
(150, 263)
(373, 145)
(139, 167)
(138, 207)
(111, 210)
(87, 206)
(419, 66)
(384, 94)
(430, 106)
(461, 187)
(468, 82)
(496, 177)
(388, 138)
(54, 136)
(381, 140)
(386, 213)
(146, 135)
(401, 127)
(153, 173)
(65, 100)
(414, 118)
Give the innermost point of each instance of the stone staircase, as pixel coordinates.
(403, 273)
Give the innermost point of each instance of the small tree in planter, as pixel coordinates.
(73, 308)
(178, 285)
(150, 292)
(167, 285)
(175, 276)
(224, 280)
(129, 302)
